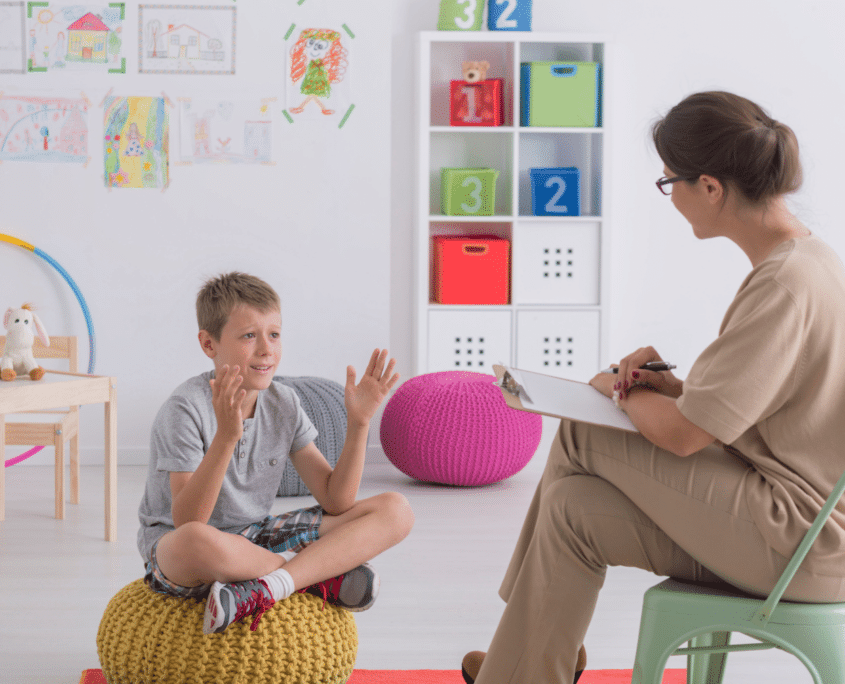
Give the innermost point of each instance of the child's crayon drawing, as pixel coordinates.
(87, 37)
(318, 75)
(225, 131)
(43, 129)
(12, 30)
(183, 39)
(136, 143)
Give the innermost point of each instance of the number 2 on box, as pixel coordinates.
(469, 10)
(552, 206)
(474, 194)
(504, 21)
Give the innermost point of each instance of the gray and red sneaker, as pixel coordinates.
(355, 590)
(228, 603)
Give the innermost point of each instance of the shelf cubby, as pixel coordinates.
(542, 149)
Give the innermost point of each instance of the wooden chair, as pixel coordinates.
(55, 433)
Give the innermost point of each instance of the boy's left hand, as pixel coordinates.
(362, 400)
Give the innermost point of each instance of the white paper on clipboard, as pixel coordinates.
(562, 398)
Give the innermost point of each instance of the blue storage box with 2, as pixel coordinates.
(556, 191)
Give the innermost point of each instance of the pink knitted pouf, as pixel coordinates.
(455, 428)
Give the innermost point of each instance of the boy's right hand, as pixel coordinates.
(227, 399)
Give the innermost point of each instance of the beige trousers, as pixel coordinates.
(609, 497)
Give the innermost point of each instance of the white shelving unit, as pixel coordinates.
(556, 321)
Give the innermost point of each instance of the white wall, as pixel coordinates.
(343, 266)
(668, 289)
(315, 226)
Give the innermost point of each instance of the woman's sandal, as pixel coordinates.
(472, 664)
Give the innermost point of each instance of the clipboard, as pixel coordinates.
(559, 398)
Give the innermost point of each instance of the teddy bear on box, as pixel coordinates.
(475, 71)
(22, 327)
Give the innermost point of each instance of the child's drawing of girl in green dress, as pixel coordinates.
(320, 57)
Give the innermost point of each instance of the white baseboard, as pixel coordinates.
(130, 456)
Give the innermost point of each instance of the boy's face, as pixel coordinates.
(251, 340)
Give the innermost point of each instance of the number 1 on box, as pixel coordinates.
(471, 115)
(504, 21)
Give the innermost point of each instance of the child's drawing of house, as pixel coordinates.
(87, 38)
(186, 42)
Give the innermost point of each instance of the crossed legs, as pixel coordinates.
(612, 498)
(197, 554)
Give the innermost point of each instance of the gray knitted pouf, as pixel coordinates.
(322, 401)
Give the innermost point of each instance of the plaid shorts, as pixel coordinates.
(291, 531)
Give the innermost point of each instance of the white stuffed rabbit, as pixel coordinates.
(22, 325)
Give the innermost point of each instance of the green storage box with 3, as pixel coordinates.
(565, 94)
(468, 192)
(460, 15)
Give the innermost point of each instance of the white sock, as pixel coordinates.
(280, 584)
(287, 555)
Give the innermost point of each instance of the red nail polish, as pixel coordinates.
(636, 375)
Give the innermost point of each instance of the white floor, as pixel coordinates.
(438, 594)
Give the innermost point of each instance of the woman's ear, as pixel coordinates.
(713, 187)
(207, 344)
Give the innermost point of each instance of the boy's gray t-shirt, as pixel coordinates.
(181, 435)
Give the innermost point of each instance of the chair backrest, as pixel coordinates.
(60, 348)
(763, 614)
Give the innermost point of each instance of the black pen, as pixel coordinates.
(651, 365)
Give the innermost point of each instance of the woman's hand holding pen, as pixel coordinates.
(632, 374)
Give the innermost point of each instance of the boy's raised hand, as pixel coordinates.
(227, 399)
(362, 400)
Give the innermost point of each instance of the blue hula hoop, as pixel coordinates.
(85, 311)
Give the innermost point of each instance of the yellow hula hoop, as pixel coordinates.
(16, 241)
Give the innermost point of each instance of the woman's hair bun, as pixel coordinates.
(732, 139)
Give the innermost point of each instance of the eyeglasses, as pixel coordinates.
(665, 184)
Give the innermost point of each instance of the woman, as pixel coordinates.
(730, 466)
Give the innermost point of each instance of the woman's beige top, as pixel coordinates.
(772, 388)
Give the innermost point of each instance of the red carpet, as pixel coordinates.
(449, 677)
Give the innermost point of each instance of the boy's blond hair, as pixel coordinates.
(220, 295)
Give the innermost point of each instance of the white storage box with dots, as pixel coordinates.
(468, 340)
(560, 343)
(557, 263)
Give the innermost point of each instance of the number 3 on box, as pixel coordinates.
(504, 20)
(469, 10)
(475, 194)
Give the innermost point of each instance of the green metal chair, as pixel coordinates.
(675, 612)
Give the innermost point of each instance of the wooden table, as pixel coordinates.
(59, 389)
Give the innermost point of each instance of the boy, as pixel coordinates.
(218, 451)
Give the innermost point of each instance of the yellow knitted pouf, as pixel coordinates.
(149, 638)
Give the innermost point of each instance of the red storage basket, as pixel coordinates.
(476, 104)
(471, 270)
